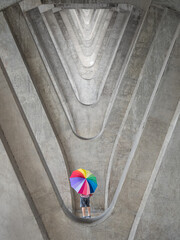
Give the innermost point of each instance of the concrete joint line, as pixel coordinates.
(7, 3)
(58, 49)
(114, 94)
(36, 145)
(55, 86)
(85, 60)
(116, 89)
(94, 44)
(78, 18)
(56, 46)
(108, 212)
(109, 68)
(160, 157)
(13, 12)
(24, 186)
(103, 215)
(138, 136)
(102, 129)
(86, 18)
(155, 172)
(68, 114)
(128, 109)
(45, 8)
(26, 117)
(68, 72)
(53, 78)
(96, 19)
(147, 110)
(95, 4)
(102, 89)
(96, 37)
(167, 4)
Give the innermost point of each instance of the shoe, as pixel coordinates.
(84, 217)
(88, 217)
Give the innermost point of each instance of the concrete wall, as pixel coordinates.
(97, 89)
(160, 219)
(17, 220)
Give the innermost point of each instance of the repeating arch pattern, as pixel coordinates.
(86, 87)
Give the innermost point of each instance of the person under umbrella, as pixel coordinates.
(85, 203)
(85, 183)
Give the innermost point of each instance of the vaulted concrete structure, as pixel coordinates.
(90, 84)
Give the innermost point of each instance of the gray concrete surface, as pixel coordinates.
(95, 3)
(17, 221)
(34, 112)
(161, 216)
(98, 89)
(6, 3)
(147, 81)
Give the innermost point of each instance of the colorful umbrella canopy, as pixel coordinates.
(83, 181)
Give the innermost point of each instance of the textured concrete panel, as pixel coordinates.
(75, 148)
(26, 156)
(29, 4)
(142, 95)
(27, 160)
(152, 138)
(42, 116)
(161, 216)
(7, 3)
(88, 121)
(95, 3)
(34, 112)
(16, 219)
(173, 4)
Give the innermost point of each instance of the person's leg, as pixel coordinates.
(89, 211)
(83, 211)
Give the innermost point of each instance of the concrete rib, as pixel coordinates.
(141, 128)
(125, 47)
(78, 31)
(29, 110)
(53, 74)
(62, 47)
(119, 135)
(94, 45)
(99, 4)
(19, 175)
(87, 31)
(35, 65)
(138, 135)
(85, 73)
(87, 61)
(86, 16)
(99, 76)
(157, 165)
(155, 172)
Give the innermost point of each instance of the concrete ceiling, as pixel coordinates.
(95, 88)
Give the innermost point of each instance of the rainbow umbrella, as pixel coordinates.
(83, 181)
